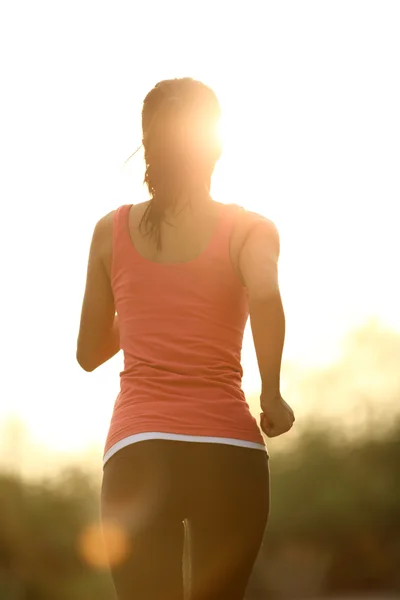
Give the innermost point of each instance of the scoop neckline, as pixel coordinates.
(206, 250)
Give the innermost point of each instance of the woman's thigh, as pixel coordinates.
(142, 522)
(228, 512)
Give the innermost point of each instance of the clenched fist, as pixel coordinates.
(277, 416)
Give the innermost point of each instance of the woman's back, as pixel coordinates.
(182, 312)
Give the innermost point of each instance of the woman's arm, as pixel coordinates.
(258, 264)
(259, 270)
(98, 338)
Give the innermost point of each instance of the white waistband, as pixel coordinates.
(156, 435)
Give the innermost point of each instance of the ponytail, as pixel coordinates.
(165, 161)
(176, 160)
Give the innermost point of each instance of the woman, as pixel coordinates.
(171, 282)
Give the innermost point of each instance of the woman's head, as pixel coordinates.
(180, 138)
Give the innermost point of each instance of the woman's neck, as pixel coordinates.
(193, 201)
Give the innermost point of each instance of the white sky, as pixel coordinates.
(310, 92)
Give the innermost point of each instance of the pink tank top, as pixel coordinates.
(181, 332)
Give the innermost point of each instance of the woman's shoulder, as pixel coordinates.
(107, 220)
(105, 225)
(246, 224)
(103, 236)
(247, 221)
(247, 216)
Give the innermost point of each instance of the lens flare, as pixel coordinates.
(103, 546)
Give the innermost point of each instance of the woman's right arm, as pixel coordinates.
(258, 265)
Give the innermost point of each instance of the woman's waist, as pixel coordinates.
(160, 356)
(211, 415)
(192, 397)
(173, 373)
(184, 391)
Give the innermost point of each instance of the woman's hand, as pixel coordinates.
(277, 416)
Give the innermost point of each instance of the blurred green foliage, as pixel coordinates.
(340, 499)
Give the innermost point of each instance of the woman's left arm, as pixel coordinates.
(98, 338)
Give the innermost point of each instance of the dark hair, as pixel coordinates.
(179, 122)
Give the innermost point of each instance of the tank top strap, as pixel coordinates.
(230, 213)
(121, 238)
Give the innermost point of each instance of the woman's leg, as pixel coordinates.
(141, 503)
(229, 506)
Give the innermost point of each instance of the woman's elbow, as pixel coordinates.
(83, 361)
